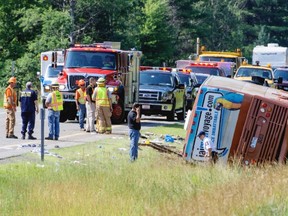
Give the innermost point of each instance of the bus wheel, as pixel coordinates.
(118, 113)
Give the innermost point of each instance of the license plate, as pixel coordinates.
(145, 106)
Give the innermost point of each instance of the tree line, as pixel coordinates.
(164, 30)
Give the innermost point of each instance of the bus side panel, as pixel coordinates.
(263, 130)
(217, 114)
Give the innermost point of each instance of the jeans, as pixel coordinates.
(53, 123)
(28, 118)
(82, 114)
(134, 138)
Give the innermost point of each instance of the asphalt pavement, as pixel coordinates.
(70, 134)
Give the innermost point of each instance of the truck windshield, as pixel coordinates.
(150, 78)
(217, 59)
(249, 72)
(205, 70)
(89, 59)
(185, 79)
(201, 78)
(281, 73)
(54, 72)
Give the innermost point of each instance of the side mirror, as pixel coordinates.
(279, 80)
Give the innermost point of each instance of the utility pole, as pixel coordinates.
(72, 14)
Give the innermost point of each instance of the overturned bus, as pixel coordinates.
(244, 120)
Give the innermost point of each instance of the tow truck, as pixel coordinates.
(161, 93)
(83, 61)
(254, 72)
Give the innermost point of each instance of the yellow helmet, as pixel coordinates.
(12, 80)
(101, 80)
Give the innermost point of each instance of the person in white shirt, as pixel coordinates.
(209, 147)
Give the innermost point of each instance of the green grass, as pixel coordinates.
(98, 179)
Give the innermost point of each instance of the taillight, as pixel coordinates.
(45, 58)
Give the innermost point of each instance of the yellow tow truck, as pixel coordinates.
(249, 72)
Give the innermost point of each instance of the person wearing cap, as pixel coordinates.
(80, 99)
(29, 105)
(54, 104)
(103, 107)
(90, 106)
(10, 103)
(209, 147)
(134, 125)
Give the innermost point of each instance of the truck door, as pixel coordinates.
(179, 94)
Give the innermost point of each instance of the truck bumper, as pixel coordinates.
(154, 109)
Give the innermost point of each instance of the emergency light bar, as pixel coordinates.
(94, 45)
(155, 68)
(204, 64)
(183, 70)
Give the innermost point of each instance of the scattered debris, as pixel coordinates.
(169, 138)
(162, 148)
(57, 146)
(122, 149)
(40, 165)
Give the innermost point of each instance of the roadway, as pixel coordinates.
(70, 134)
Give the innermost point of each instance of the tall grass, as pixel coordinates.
(98, 179)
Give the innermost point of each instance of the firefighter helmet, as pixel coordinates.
(101, 80)
(12, 80)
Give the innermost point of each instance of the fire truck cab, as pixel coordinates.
(119, 68)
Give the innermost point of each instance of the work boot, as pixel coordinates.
(23, 136)
(12, 136)
(30, 137)
(48, 138)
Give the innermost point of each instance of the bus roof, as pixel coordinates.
(246, 88)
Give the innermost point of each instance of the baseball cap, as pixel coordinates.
(201, 133)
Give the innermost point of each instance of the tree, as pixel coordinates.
(157, 34)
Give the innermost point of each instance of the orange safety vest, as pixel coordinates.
(57, 101)
(102, 98)
(6, 103)
(82, 97)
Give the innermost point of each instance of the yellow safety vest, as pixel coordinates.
(82, 97)
(102, 98)
(6, 103)
(57, 101)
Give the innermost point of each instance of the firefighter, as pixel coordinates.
(29, 105)
(80, 99)
(54, 103)
(10, 103)
(103, 107)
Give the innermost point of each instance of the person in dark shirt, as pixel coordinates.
(90, 106)
(29, 105)
(134, 125)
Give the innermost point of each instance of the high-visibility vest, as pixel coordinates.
(82, 97)
(6, 103)
(102, 98)
(57, 101)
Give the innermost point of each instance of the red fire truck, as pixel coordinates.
(120, 69)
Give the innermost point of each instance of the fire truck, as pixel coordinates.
(245, 121)
(120, 69)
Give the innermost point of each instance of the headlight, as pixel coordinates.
(62, 87)
(167, 96)
(46, 88)
(112, 89)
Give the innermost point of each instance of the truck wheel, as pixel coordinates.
(118, 113)
(63, 116)
(171, 115)
(181, 116)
